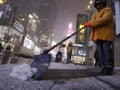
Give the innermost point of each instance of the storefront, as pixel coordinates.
(27, 48)
(117, 33)
(31, 41)
(10, 35)
(79, 54)
(117, 16)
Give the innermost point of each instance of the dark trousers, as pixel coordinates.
(97, 59)
(105, 51)
(68, 58)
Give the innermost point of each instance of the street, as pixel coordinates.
(62, 77)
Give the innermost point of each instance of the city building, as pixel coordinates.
(30, 27)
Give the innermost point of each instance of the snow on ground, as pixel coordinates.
(54, 65)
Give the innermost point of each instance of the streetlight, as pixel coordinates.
(2, 1)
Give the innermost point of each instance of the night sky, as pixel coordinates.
(66, 12)
(59, 12)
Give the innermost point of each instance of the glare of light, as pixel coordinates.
(53, 43)
(78, 45)
(30, 16)
(70, 26)
(88, 7)
(35, 15)
(1, 1)
(34, 21)
(23, 19)
(91, 2)
(68, 35)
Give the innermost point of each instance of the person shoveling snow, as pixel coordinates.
(40, 63)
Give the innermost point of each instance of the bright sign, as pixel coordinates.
(83, 30)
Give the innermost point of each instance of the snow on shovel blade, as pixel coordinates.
(41, 63)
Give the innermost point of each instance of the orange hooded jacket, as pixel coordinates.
(102, 24)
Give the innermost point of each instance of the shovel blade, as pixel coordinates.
(41, 63)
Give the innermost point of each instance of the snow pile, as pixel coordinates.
(23, 72)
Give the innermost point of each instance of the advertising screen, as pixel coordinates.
(28, 43)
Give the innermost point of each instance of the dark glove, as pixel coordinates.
(88, 24)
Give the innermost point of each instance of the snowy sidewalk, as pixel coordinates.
(88, 82)
(54, 65)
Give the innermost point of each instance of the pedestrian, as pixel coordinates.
(69, 52)
(1, 47)
(58, 56)
(6, 54)
(102, 24)
(64, 55)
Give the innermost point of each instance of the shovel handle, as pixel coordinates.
(65, 39)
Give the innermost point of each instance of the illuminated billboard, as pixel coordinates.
(7, 13)
(81, 36)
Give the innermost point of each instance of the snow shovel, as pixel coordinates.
(41, 62)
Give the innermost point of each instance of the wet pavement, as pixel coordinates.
(62, 77)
